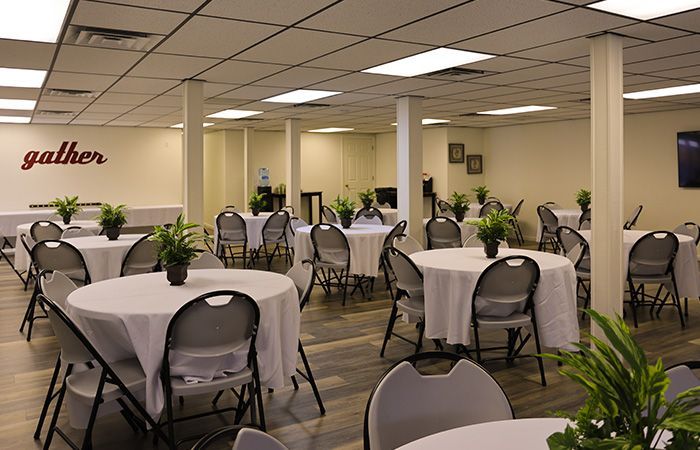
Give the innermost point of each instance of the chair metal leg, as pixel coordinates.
(633, 301)
(421, 330)
(49, 397)
(310, 378)
(389, 327)
(345, 285)
(87, 437)
(540, 363)
(57, 409)
(677, 300)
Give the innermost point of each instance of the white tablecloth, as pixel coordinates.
(21, 257)
(253, 228)
(685, 267)
(103, 257)
(365, 241)
(449, 279)
(129, 316)
(466, 229)
(566, 217)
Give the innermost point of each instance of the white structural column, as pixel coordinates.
(409, 163)
(607, 277)
(248, 175)
(193, 150)
(292, 152)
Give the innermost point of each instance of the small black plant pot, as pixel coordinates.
(584, 208)
(459, 216)
(66, 219)
(367, 205)
(112, 233)
(345, 223)
(491, 249)
(482, 201)
(255, 212)
(177, 274)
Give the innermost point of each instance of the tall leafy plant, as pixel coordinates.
(494, 227)
(367, 197)
(481, 193)
(66, 207)
(177, 244)
(344, 207)
(459, 203)
(256, 202)
(112, 216)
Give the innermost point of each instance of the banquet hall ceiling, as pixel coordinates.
(248, 50)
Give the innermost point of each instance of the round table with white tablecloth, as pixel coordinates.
(365, 241)
(103, 257)
(449, 279)
(566, 217)
(129, 316)
(685, 267)
(253, 228)
(21, 256)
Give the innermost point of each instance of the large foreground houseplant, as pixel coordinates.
(177, 246)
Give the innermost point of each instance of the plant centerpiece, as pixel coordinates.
(481, 194)
(367, 197)
(66, 207)
(177, 246)
(626, 407)
(345, 208)
(459, 205)
(583, 199)
(256, 202)
(112, 219)
(493, 229)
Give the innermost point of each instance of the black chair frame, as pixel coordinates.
(221, 248)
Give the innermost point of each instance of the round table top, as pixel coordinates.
(528, 434)
(354, 230)
(475, 260)
(99, 242)
(567, 212)
(89, 224)
(152, 294)
(632, 236)
(249, 216)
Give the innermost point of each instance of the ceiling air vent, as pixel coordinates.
(49, 113)
(455, 73)
(107, 38)
(71, 93)
(310, 105)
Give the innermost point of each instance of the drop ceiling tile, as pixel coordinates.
(354, 81)
(488, 93)
(251, 92)
(473, 19)
(260, 106)
(649, 31)
(346, 99)
(102, 108)
(51, 120)
(125, 123)
(19, 93)
(120, 17)
(572, 48)
(553, 82)
(231, 36)
(368, 54)
(529, 74)
(50, 105)
(156, 110)
(72, 58)
(136, 85)
(299, 77)
(677, 46)
(98, 116)
(446, 90)
(240, 72)
(171, 66)
(687, 73)
(501, 64)
(210, 89)
(114, 98)
(370, 17)
(688, 21)
(168, 5)
(87, 82)
(26, 55)
(656, 65)
(268, 11)
(166, 100)
(401, 86)
(67, 99)
(386, 101)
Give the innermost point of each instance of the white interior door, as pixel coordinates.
(358, 165)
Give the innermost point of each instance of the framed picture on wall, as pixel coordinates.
(456, 153)
(474, 164)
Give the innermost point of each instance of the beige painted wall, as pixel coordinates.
(144, 165)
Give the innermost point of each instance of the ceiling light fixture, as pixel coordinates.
(33, 20)
(9, 103)
(515, 110)
(14, 119)
(427, 62)
(233, 114)
(664, 92)
(330, 130)
(430, 121)
(301, 96)
(645, 10)
(28, 78)
(181, 125)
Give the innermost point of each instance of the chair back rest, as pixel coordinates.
(368, 219)
(27, 242)
(294, 224)
(552, 205)
(516, 210)
(506, 286)
(689, 229)
(488, 199)
(231, 227)
(206, 260)
(229, 208)
(443, 232)
(407, 244)
(575, 247)
(142, 257)
(409, 277)
(329, 215)
(73, 232)
(289, 209)
(275, 226)
(550, 222)
(473, 241)
(302, 274)
(61, 256)
(75, 348)
(43, 230)
(381, 205)
(252, 439)
(406, 405)
(371, 212)
(632, 221)
(443, 206)
(56, 286)
(330, 244)
(493, 205)
(682, 378)
(584, 220)
(653, 254)
(398, 230)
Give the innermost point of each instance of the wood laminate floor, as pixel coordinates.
(342, 344)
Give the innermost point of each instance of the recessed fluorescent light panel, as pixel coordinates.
(516, 110)
(664, 92)
(300, 96)
(330, 130)
(426, 62)
(233, 114)
(180, 125)
(645, 10)
(8, 103)
(430, 121)
(21, 77)
(14, 119)
(32, 20)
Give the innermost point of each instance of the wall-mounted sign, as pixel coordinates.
(65, 155)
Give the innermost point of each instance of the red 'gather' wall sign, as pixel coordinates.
(65, 155)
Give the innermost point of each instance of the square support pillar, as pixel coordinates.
(292, 152)
(248, 175)
(409, 163)
(193, 150)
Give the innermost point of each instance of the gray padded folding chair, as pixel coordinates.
(274, 233)
(332, 259)
(74, 232)
(406, 405)
(206, 260)
(491, 205)
(368, 219)
(370, 212)
(576, 248)
(5, 249)
(443, 207)
(329, 215)
(407, 244)
(294, 224)
(632, 221)
(142, 257)
(584, 221)
(289, 209)
(688, 229)
(443, 232)
(473, 241)
(550, 223)
(398, 230)
(204, 329)
(243, 438)
(682, 378)
(515, 224)
(44, 230)
(28, 244)
(503, 299)
(231, 232)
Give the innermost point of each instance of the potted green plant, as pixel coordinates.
(367, 197)
(345, 208)
(256, 202)
(626, 407)
(481, 194)
(177, 246)
(459, 205)
(493, 229)
(66, 207)
(112, 219)
(583, 199)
